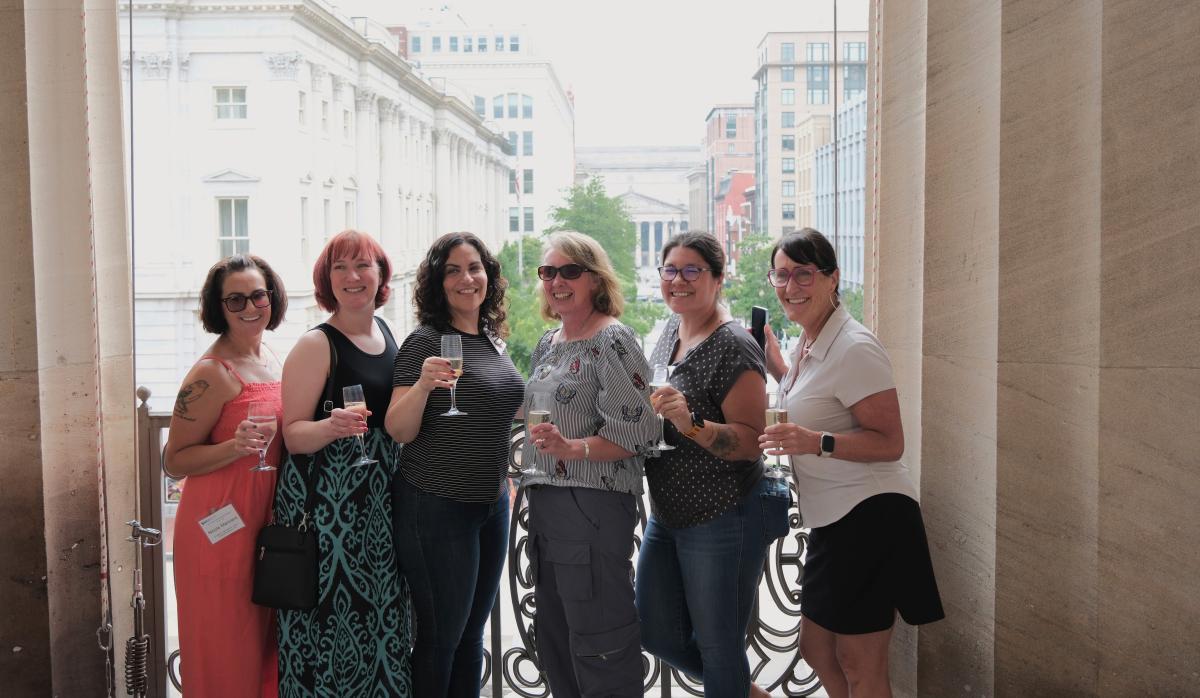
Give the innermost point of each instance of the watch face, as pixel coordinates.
(697, 420)
(827, 443)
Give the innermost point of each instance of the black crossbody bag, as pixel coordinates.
(285, 564)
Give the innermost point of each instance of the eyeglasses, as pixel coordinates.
(569, 272)
(803, 276)
(236, 302)
(691, 272)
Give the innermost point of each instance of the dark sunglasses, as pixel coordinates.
(690, 272)
(569, 272)
(236, 302)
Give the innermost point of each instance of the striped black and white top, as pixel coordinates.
(464, 458)
(598, 387)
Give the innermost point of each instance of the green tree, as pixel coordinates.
(590, 211)
(525, 322)
(749, 286)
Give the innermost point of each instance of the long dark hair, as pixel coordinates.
(429, 296)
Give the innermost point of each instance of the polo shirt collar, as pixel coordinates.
(831, 330)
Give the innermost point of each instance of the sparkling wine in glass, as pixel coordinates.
(536, 412)
(354, 401)
(266, 422)
(776, 415)
(661, 379)
(452, 352)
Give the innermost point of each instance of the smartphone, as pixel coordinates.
(758, 320)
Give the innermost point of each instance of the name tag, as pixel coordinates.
(221, 523)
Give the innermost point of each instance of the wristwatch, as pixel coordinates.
(826, 445)
(697, 426)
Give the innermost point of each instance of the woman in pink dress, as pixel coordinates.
(227, 644)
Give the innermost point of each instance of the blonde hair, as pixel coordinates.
(586, 252)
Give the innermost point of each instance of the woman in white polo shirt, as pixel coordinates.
(868, 557)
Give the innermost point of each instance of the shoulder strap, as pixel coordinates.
(227, 365)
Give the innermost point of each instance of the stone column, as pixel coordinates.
(1038, 288)
(442, 140)
(389, 117)
(366, 158)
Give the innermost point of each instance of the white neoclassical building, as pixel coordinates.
(497, 70)
(268, 128)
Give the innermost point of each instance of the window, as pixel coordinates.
(512, 105)
(787, 119)
(514, 43)
(855, 79)
(787, 97)
(787, 52)
(416, 44)
(818, 96)
(454, 44)
(854, 51)
(347, 125)
(325, 116)
(732, 148)
(789, 187)
(731, 126)
(527, 183)
(789, 143)
(514, 220)
(230, 102)
(349, 207)
(234, 237)
(787, 73)
(467, 44)
(302, 110)
(527, 143)
(481, 107)
(498, 107)
(512, 141)
(499, 43)
(526, 107)
(482, 44)
(789, 165)
(529, 219)
(818, 76)
(437, 44)
(326, 217)
(512, 182)
(789, 212)
(817, 52)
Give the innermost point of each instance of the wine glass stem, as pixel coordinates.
(362, 449)
(262, 458)
(662, 429)
(453, 404)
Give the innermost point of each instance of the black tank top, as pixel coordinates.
(372, 371)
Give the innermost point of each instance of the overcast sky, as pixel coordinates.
(644, 72)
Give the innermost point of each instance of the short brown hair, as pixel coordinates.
(586, 252)
(212, 317)
(354, 243)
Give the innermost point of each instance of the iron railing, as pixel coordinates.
(772, 642)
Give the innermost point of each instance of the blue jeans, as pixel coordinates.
(452, 554)
(696, 588)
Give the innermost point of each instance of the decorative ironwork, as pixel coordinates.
(773, 642)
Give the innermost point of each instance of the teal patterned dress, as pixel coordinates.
(358, 640)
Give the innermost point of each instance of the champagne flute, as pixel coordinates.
(777, 415)
(538, 412)
(262, 416)
(354, 401)
(661, 379)
(452, 352)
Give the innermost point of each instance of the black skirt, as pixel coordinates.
(863, 568)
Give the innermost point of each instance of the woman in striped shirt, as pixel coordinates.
(585, 474)
(450, 501)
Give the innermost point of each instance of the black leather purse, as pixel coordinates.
(285, 565)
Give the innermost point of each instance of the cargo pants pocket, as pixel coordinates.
(609, 664)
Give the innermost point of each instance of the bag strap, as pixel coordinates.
(324, 407)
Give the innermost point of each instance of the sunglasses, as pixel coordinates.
(236, 302)
(569, 272)
(690, 272)
(802, 276)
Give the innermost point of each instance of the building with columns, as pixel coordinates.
(1032, 270)
(270, 131)
(654, 223)
(801, 79)
(497, 71)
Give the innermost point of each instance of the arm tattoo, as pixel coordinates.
(189, 394)
(725, 443)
